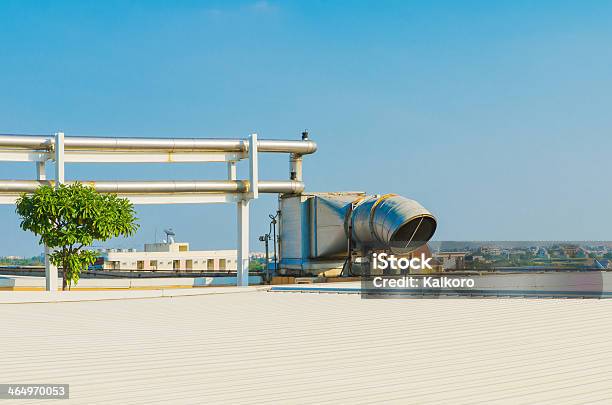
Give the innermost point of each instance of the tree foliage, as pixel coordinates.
(70, 218)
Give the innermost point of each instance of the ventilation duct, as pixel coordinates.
(315, 228)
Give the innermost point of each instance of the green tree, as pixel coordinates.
(256, 265)
(69, 218)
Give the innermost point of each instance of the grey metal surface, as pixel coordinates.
(300, 147)
(392, 222)
(36, 142)
(290, 227)
(281, 186)
(203, 186)
(328, 231)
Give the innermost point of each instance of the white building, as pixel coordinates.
(260, 255)
(451, 260)
(171, 256)
(490, 250)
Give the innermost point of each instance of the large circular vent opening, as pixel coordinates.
(413, 234)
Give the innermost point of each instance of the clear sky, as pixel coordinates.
(496, 115)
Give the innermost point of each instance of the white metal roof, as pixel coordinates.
(260, 347)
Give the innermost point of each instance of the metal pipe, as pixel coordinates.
(391, 221)
(27, 141)
(281, 187)
(163, 144)
(22, 186)
(300, 147)
(145, 187)
(168, 186)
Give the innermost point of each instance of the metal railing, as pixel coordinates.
(61, 149)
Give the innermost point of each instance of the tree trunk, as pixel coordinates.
(64, 281)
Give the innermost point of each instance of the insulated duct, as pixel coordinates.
(316, 229)
(299, 147)
(390, 222)
(144, 187)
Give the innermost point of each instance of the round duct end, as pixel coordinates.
(413, 234)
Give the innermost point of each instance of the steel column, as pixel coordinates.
(59, 158)
(40, 171)
(231, 170)
(242, 271)
(50, 269)
(253, 167)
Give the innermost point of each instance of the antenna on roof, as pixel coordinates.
(169, 235)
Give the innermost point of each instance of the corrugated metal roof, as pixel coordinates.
(263, 347)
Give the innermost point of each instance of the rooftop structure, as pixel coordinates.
(319, 233)
(174, 256)
(450, 260)
(490, 250)
(61, 149)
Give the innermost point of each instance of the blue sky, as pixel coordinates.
(494, 115)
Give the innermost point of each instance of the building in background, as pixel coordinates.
(450, 260)
(167, 256)
(490, 250)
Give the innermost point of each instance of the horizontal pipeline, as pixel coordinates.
(153, 187)
(300, 147)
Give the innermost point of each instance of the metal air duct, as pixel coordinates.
(316, 228)
(391, 222)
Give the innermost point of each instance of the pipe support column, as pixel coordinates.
(242, 270)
